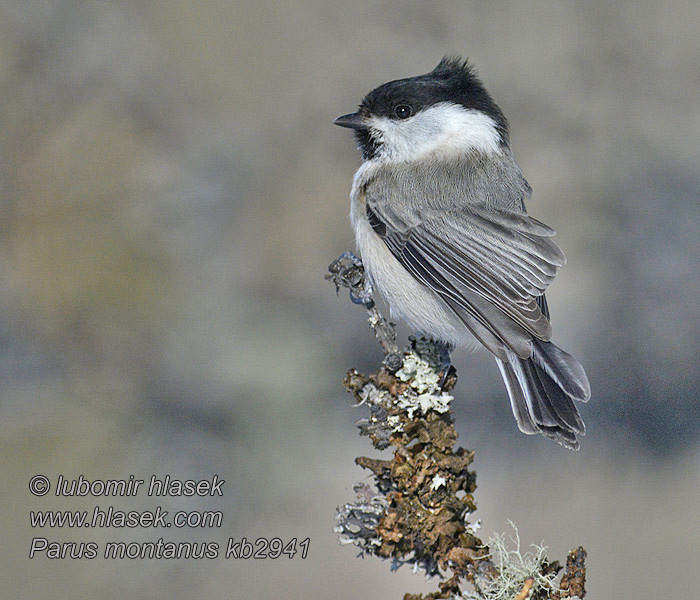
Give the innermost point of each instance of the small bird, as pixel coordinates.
(438, 210)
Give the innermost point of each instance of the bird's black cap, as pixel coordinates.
(453, 80)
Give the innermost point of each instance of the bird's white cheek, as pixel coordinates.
(472, 130)
(444, 129)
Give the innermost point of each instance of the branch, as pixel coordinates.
(574, 579)
(524, 594)
(418, 510)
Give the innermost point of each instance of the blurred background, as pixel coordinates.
(172, 191)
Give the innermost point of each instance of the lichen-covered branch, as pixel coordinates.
(418, 512)
(574, 579)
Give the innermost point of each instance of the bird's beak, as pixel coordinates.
(353, 121)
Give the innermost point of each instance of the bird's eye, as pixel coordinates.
(403, 111)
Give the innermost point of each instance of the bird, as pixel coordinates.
(438, 210)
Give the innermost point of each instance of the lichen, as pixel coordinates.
(357, 522)
(427, 484)
(514, 567)
(424, 393)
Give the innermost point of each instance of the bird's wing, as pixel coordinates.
(489, 267)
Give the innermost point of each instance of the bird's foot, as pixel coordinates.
(437, 354)
(347, 271)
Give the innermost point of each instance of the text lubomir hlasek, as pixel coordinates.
(167, 486)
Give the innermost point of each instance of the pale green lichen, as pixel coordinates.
(437, 482)
(471, 527)
(425, 393)
(394, 421)
(371, 394)
(514, 568)
(419, 373)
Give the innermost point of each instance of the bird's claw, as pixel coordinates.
(437, 353)
(347, 271)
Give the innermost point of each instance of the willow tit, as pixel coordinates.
(438, 209)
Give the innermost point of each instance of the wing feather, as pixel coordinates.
(491, 268)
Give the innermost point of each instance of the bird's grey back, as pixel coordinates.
(494, 183)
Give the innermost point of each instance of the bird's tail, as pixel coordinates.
(542, 390)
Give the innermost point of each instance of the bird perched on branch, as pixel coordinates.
(438, 209)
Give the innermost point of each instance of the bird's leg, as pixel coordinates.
(448, 371)
(445, 349)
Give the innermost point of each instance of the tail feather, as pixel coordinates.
(563, 368)
(517, 400)
(560, 406)
(542, 389)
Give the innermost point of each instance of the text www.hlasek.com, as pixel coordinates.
(116, 518)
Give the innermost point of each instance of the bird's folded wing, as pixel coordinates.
(489, 267)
